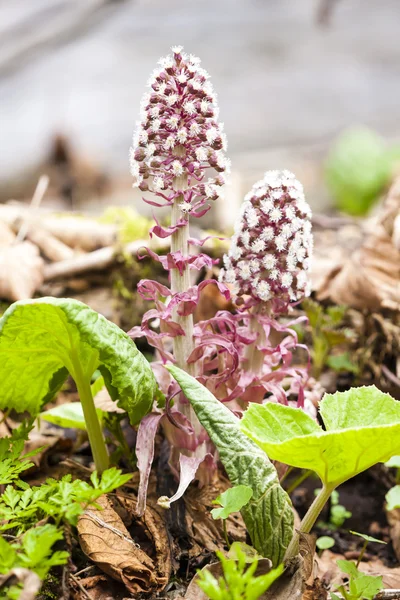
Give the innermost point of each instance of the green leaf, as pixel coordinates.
(325, 542)
(357, 170)
(40, 339)
(69, 415)
(342, 362)
(232, 500)
(393, 498)
(339, 514)
(268, 515)
(97, 386)
(367, 538)
(348, 567)
(7, 556)
(366, 586)
(393, 462)
(362, 429)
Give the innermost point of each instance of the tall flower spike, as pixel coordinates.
(177, 154)
(270, 253)
(179, 138)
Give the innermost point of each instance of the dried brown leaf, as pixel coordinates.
(330, 574)
(393, 517)
(104, 401)
(7, 236)
(30, 581)
(368, 276)
(107, 542)
(21, 271)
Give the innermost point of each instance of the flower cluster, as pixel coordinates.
(270, 253)
(179, 136)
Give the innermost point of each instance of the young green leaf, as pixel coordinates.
(7, 556)
(268, 515)
(232, 500)
(41, 339)
(238, 580)
(367, 538)
(68, 415)
(366, 586)
(325, 542)
(362, 429)
(393, 498)
(360, 585)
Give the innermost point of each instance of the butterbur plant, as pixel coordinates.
(42, 341)
(178, 156)
(267, 266)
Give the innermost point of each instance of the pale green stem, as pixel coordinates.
(226, 534)
(255, 358)
(309, 520)
(183, 344)
(95, 434)
(362, 552)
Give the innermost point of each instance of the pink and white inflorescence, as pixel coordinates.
(179, 135)
(269, 257)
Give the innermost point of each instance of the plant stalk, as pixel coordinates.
(309, 520)
(95, 434)
(183, 344)
(255, 358)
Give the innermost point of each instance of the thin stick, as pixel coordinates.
(85, 570)
(36, 201)
(80, 586)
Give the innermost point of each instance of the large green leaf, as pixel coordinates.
(41, 339)
(268, 515)
(362, 428)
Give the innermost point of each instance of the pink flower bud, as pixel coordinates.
(270, 253)
(179, 134)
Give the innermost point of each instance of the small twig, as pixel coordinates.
(383, 595)
(36, 201)
(89, 568)
(390, 376)
(80, 586)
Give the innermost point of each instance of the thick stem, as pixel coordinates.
(309, 519)
(255, 358)
(183, 344)
(96, 439)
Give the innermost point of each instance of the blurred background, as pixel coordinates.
(291, 77)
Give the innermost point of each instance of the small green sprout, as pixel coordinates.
(239, 579)
(338, 512)
(361, 586)
(325, 542)
(231, 501)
